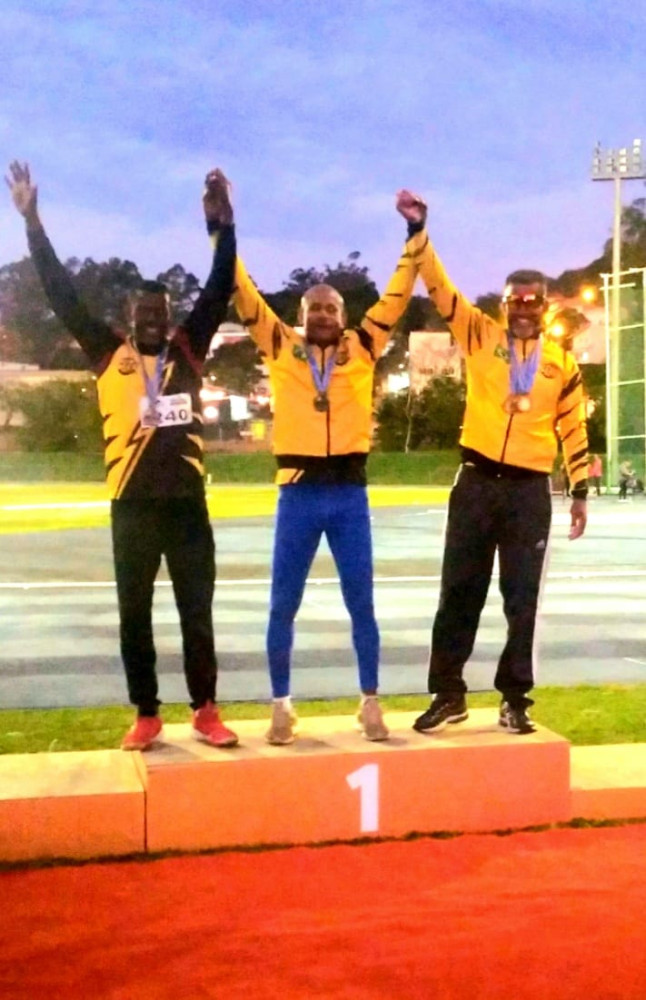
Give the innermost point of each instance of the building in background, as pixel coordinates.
(226, 333)
(432, 353)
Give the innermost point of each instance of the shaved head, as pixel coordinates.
(326, 290)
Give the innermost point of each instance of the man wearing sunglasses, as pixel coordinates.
(523, 390)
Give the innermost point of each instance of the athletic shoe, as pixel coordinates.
(143, 733)
(370, 720)
(444, 709)
(283, 727)
(208, 727)
(515, 720)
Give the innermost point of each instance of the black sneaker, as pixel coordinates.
(515, 720)
(445, 708)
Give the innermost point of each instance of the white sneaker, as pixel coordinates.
(283, 727)
(370, 720)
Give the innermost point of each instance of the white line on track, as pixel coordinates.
(316, 582)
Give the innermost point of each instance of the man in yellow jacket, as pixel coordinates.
(322, 383)
(149, 378)
(524, 391)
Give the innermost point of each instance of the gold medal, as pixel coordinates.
(517, 403)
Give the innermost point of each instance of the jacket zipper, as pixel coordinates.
(507, 433)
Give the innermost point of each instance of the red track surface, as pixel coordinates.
(530, 916)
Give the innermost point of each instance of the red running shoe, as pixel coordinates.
(143, 733)
(208, 727)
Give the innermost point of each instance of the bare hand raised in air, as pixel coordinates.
(411, 206)
(23, 192)
(217, 198)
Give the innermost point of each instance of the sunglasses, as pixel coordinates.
(535, 300)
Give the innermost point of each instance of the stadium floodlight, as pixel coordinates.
(615, 165)
(627, 163)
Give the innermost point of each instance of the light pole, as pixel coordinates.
(615, 165)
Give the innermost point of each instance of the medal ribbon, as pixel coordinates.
(321, 379)
(153, 382)
(522, 372)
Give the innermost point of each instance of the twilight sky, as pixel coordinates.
(319, 113)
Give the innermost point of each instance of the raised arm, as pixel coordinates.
(95, 337)
(468, 324)
(211, 306)
(264, 326)
(379, 321)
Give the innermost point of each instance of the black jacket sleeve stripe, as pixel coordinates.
(570, 386)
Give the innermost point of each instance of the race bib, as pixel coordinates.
(166, 411)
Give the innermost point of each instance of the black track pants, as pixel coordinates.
(488, 513)
(142, 532)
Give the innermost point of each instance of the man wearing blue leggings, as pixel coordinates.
(322, 382)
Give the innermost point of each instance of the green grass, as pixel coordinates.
(30, 467)
(416, 469)
(419, 468)
(585, 715)
(254, 467)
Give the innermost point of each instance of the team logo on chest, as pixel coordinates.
(549, 370)
(127, 366)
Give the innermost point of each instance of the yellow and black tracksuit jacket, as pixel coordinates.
(526, 440)
(330, 446)
(160, 462)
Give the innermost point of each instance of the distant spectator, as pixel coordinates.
(595, 472)
(626, 479)
(565, 480)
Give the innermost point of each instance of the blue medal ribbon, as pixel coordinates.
(321, 379)
(153, 382)
(522, 372)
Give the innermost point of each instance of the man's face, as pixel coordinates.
(150, 319)
(323, 314)
(525, 306)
